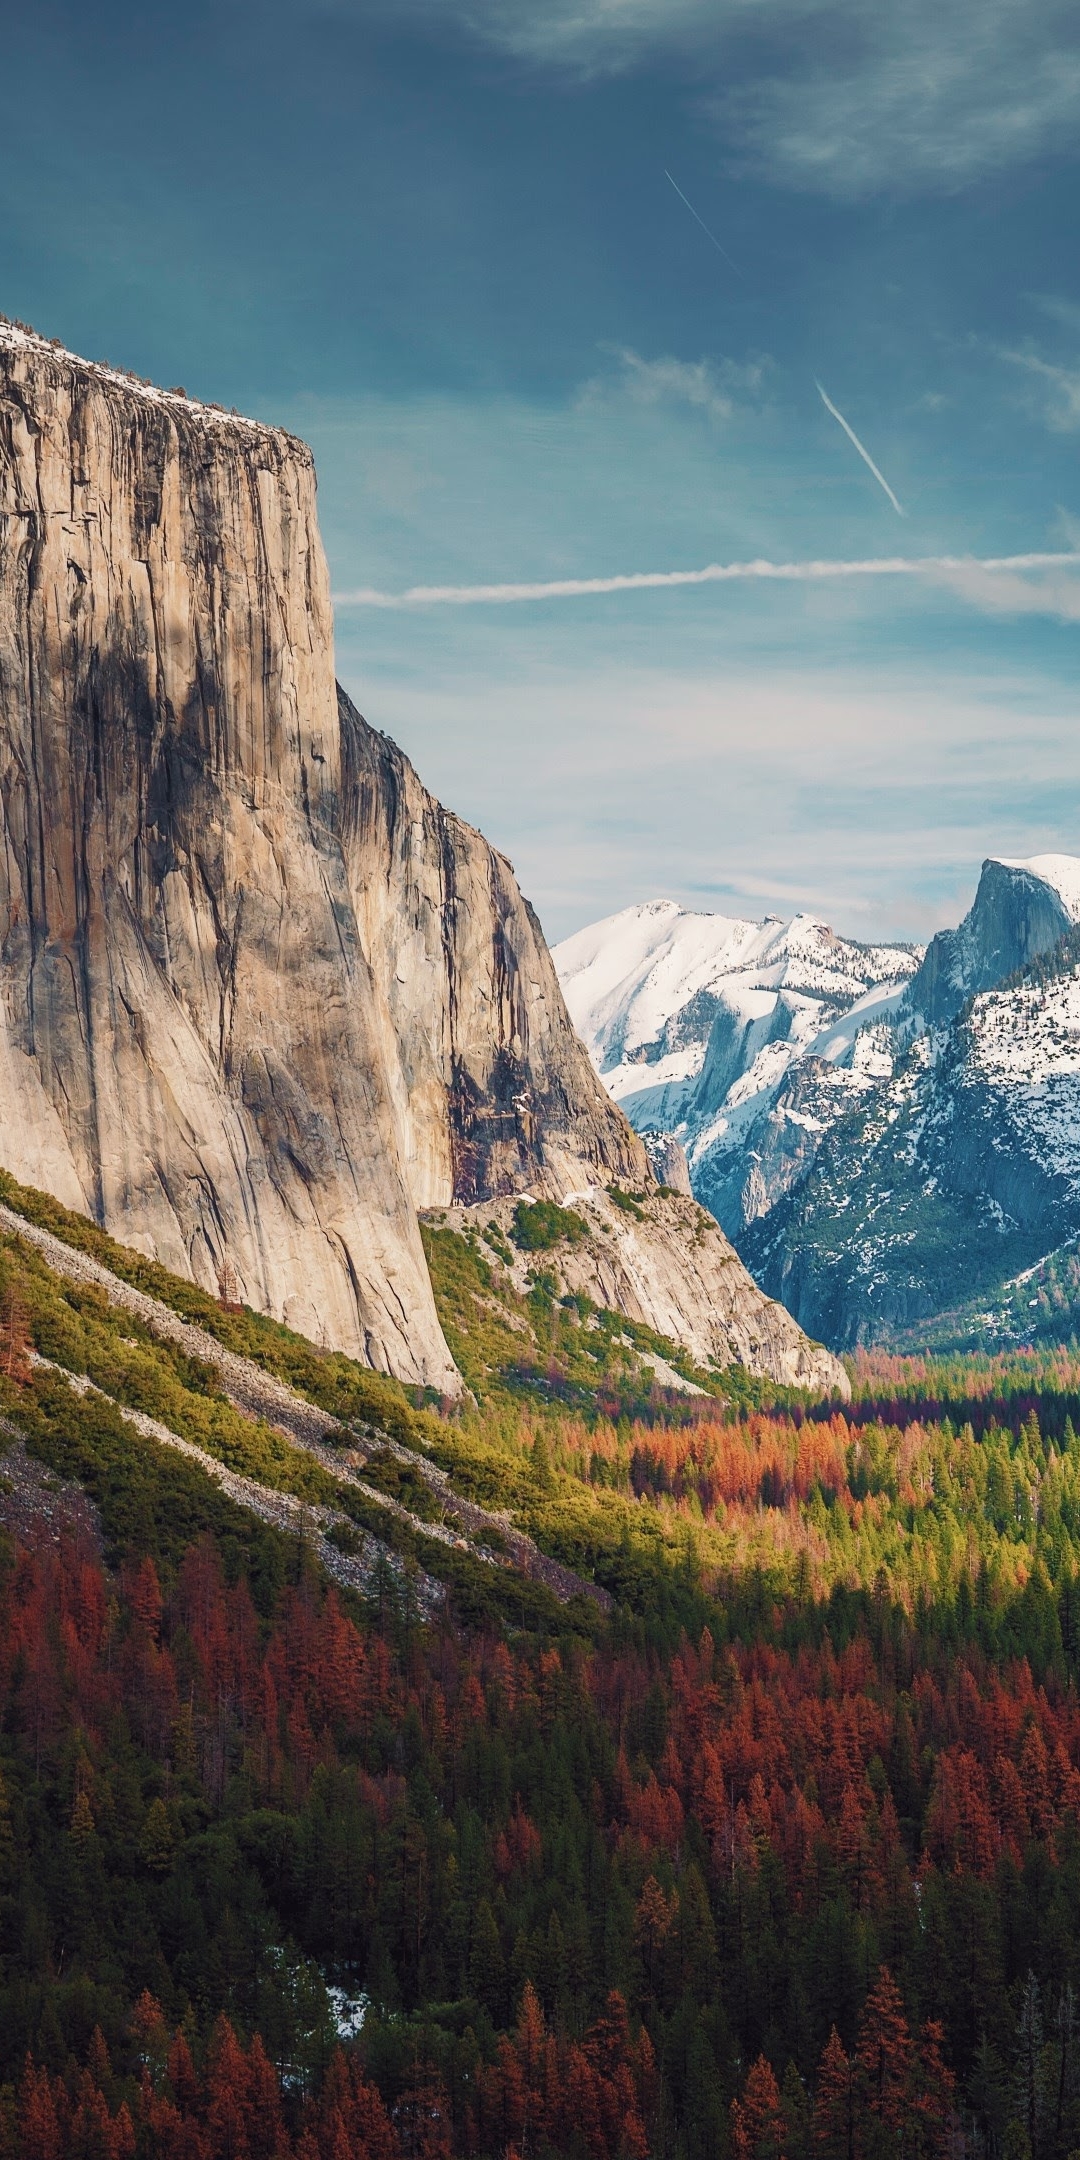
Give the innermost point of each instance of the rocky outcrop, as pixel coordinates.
(661, 1260)
(493, 1090)
(667, 1158)
(1017, 914)
(261, 996)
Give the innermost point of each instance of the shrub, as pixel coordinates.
(540, 1224)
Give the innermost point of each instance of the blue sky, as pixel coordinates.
(436, 238)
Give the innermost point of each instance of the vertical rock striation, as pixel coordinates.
(190, 1037)
(261, 996)
(495, 1092)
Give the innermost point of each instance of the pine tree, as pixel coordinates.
(487, 1966)
(934, 2108)
(39, 2125)
(1029, 2067)
(834, 2103)
(885, 2053)
(227, 2095)
(758, 2126)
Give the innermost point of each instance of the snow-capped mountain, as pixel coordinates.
(889, 1137)
(696, 1022)
(1019, 910)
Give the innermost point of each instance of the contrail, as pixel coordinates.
(863, 452)
(713, 574)
(708, 235)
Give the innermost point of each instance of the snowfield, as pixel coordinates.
(696, 1023)
(1027, 1043)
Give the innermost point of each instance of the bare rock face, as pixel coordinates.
(495, 1093)
(190, 1039)
(261, 996)
(667, 1160)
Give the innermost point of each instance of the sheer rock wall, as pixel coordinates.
(261, 996)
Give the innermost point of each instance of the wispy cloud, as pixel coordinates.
(910, 98)
(1004, 591)
(699, 220)
(831, 94)
(862, 450)
(1057, 389)
(997, 581)
(712, 387)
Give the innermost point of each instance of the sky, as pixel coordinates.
(451, 243)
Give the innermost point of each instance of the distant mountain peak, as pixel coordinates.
(892, 1139)
(1060, 871)
(1020, 910)
(697, 1029)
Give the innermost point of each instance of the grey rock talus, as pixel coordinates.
(261, 996)
(658, 1258)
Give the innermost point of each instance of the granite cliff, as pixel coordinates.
(261, 997)
(493, 1090)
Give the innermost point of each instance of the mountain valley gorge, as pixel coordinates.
(477, 1680)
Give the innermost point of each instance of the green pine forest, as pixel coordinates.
(690, 1774)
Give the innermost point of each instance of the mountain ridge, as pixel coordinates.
(915, 1155)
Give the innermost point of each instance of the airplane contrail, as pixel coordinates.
(810, 572)
(700, 220)
(860, 447)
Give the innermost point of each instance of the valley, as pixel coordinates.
(539, 1493)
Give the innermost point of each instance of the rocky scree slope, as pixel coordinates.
(627, 1253)
(261, 996)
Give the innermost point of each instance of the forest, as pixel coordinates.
(753, 1832)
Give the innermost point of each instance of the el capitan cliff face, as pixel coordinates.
(191, 1035)
(494, 1090)
(261, 996)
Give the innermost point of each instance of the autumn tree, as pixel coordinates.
(758, 2126)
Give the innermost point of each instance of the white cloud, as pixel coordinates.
(1006, 592)
(1032, 584)
(844, 96)
(714, 388)
(911, 97)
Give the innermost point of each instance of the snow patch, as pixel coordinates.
(1062, 872)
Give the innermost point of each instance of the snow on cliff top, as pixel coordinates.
(19, 335)
(1060, 871)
